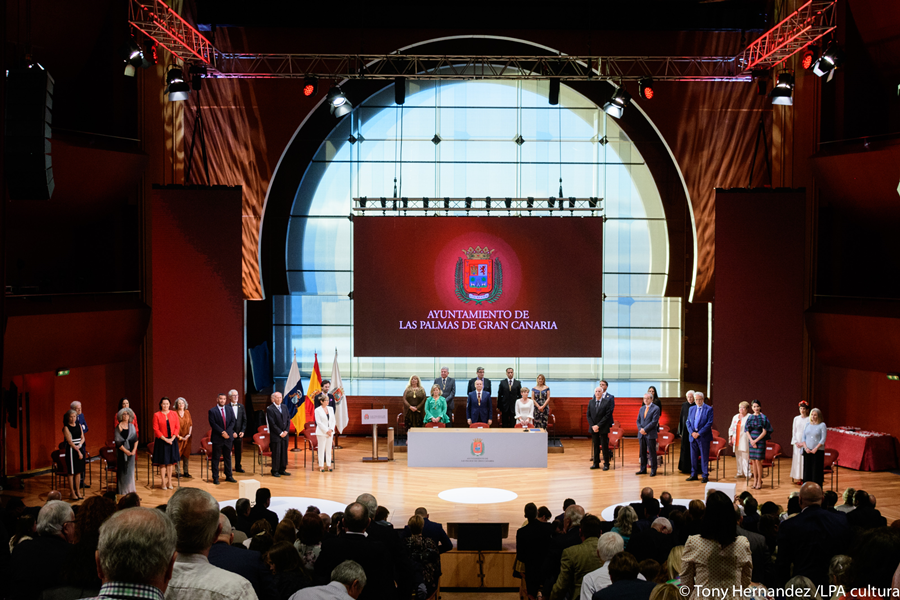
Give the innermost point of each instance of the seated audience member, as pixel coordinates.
(571, 536)
(295, 517)
(246, 563)
(650, 510)
(665, 500)
(195, 515)
(261, 527)
(793, 507)
(750, 520)
(673, 565)
(769, 508)
(829, 500)
(326, 521)
(313, 510)
(135, 555)
(129, 500)
(608, 546)
(261, 509)
(807, 541)
(261, 542)
(289, 574)
(866, 516)
(381, 515)
(646, 494)
(337, 524)
(717, 544)
(623, 572)
(244, 523)
(847, 506)
(79, 574)
(425, 557)
(237, 536)
(655, 543)
(544, 514)
(285, 532)
(532, 543)
(802, 587)
(28, 574)
(625, 523)
(759, 552)
(24, 531)
(577, 561)
(347, 581)
(839, 572)
(768, 528)
(875, 554)
(434, 531)
(566, 504)
(679, 527)
(665, 591)
(649, 569)
(309, 542)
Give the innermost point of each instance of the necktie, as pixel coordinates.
(697, 417)
(646, 410)
(443, 383)
(479, 398)
(223, 416)
(510, 384)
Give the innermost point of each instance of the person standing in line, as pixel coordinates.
(814, 436)
(325, 424)
(541, 395)
(221, 420)
(240, 427)
(757, 426)
(507, 395)
(279, 426)
(600, 419)
(699, 425)
(414, 403)
(184, 437)
(648, 433)
(485, 382)
(165, 451)
(125, 440)
(684, 453)
(74, 438)
(448, 392)
(332, 402)
(656, 400)
(799, 425)
(478, 408)
(76, 406)
(740, 440)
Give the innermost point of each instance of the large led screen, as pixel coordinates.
(477, 286)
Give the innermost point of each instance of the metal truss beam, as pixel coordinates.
(394, 207)
(801, 28)
(162, 24)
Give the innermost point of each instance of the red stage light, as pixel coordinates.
(648, 93)
(645, 88)
(308, 89)
(310, 86)
(808, 57)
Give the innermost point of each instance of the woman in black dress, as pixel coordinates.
(656, 400)
(684, 456)
(74, 436)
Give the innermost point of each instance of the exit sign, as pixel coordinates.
(61, 372)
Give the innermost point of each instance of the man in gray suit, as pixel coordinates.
(648, 430)
(448, 390)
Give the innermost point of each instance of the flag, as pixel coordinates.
(315, 386)
(293, 395)
(341, 412)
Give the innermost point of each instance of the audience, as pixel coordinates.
(665, 591)
(624, 573)
(261, 509)
(309, 542)
(24, 530)
(287, 570)
(649, 568)
(544, 514)
(577, 561)
(532, 544)
(424, 555)
(129, 500)
(655, 543)
(875, 554)
(566, 504)
(847, 506)
(759, 551)
(79, 574)
(665, 499)
(866, 516)
(397, 556)
(246, 563)
(608, 546)
(36, 564)
(625, 523)
(570, 536)
(347, 579)
(435, 531)
(244, 522)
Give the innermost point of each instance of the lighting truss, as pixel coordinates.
(393, 207)
(801, 28)
(162, 24)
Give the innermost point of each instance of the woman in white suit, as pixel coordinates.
(325, 425)
(800, 423)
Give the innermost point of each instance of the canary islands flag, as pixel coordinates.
(341, 412)
(294, 397)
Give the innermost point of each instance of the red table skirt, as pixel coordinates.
(875, 453)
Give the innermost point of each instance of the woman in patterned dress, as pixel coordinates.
(74, 436)
(414, 403)
(757, 426)
(541, 395)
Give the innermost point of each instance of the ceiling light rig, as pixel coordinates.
(176, 87)
(645, 88)
(618, 103)
(310, 86)
(338, 104)
(783, 92)
(831, 59)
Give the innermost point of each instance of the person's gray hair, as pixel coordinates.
(123, 412)
(662, 522)
(369, 501)
(701, 394)
(242, 505)
(235, 392)
(180, 399)
(575, 514)
(447, 368)
(136, 545)
(690, 393)
(800, 582)
(74, 404)
(609, 544)
(195, 514)
(818, 414)
(225, 524)
(349, 571)
(273, 394)
(52, 517)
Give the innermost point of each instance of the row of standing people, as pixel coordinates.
(515, 403)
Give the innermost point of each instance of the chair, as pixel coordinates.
(261, 440)
(309, 435)
(436, 425)
(551, 425)
(664, 440)
(65, 469)
(715, 433)
(479, 426)
(663, 429)
(206, 455)
(263, 429)
(831, 466)
(110, 460)
(401, 429)
(151, 471)
(773, 456)
(617, 425)
(717, 448)
(520, 426)
(59, 468)
(616, 444)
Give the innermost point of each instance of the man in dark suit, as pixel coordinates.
(279, 426)
(623, 572)
(571, 536)
(665, 499)
(600, 418)
(448, 391)
(221, 420)
(261, 509)
(699, 427)
(478, 408)
(246, 563)
(479, 376)
(648, 429)
(240, 428)
(759, 550)
(435, 531)
(354, 545)
(532, 543)
(654, 543)
(865, 516)
(809, 540)
(509, 392)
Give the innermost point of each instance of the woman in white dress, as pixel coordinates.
(525, 409)
(740, 440)
(325, 424)
(800, 422)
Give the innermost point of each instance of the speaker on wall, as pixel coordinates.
(29, 113)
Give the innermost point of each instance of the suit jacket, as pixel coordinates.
(435, 531)
(479, 414)
(507, 396)
(577, 562)
(261, 512)
(601, 413)
(487, 385)
(866, 518)
(759, 549)
(36, 565)
(278, 422)
(808, 541)
(532, 544)
(215, 422)
(650, 423)
(397, 552)
(558, 545)
(665, 510)
(371, 555)
(246, 563)
(651, 544)
(448, 391)
(240, 423)
(626, 589)
(704, 428)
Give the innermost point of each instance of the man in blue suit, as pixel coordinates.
(221, 421)
(699, 427)
(478, 408)
(648, 430)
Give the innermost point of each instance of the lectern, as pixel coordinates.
(374, 417)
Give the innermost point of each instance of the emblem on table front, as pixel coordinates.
(479, 278)
(477, 447)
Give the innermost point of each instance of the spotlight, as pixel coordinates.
(134, 57)
(338, 103)
(197, 72)
(399, 91)
(783, 91)
(645, 88)
(310, 86)
(553, 94)
(808, 57)
(829, 61)
(617, 104)
(176, 87)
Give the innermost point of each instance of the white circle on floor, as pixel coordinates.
(477, 495)
(280, 504)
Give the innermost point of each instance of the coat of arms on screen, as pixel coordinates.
(479, 278)
(477, 447)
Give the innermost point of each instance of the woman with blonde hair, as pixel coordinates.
(414, 403)
(673, 565)
(665, 591)
(740, 440)
(325, 425)
(624, 522)
(540, 393)
(436, 407)
(525, 409)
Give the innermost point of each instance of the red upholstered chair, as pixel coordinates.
(261, 441)
(312, 442)
(715, 433)
(206, 454)
(616, 445)
(831, 466)
(551, 425)
(109, 460)
(401, 429)
(262, 429)
(436, 425)
(616, 425)
(59, 469)
(663, 429)
(717, 450)
(520, 426)
(773, 457)
(479, 426)
(663, 441)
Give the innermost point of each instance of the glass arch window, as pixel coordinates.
(480, 138)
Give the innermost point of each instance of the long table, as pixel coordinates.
(863, 450)
(480, 448)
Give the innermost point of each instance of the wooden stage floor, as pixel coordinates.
(401, 489)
